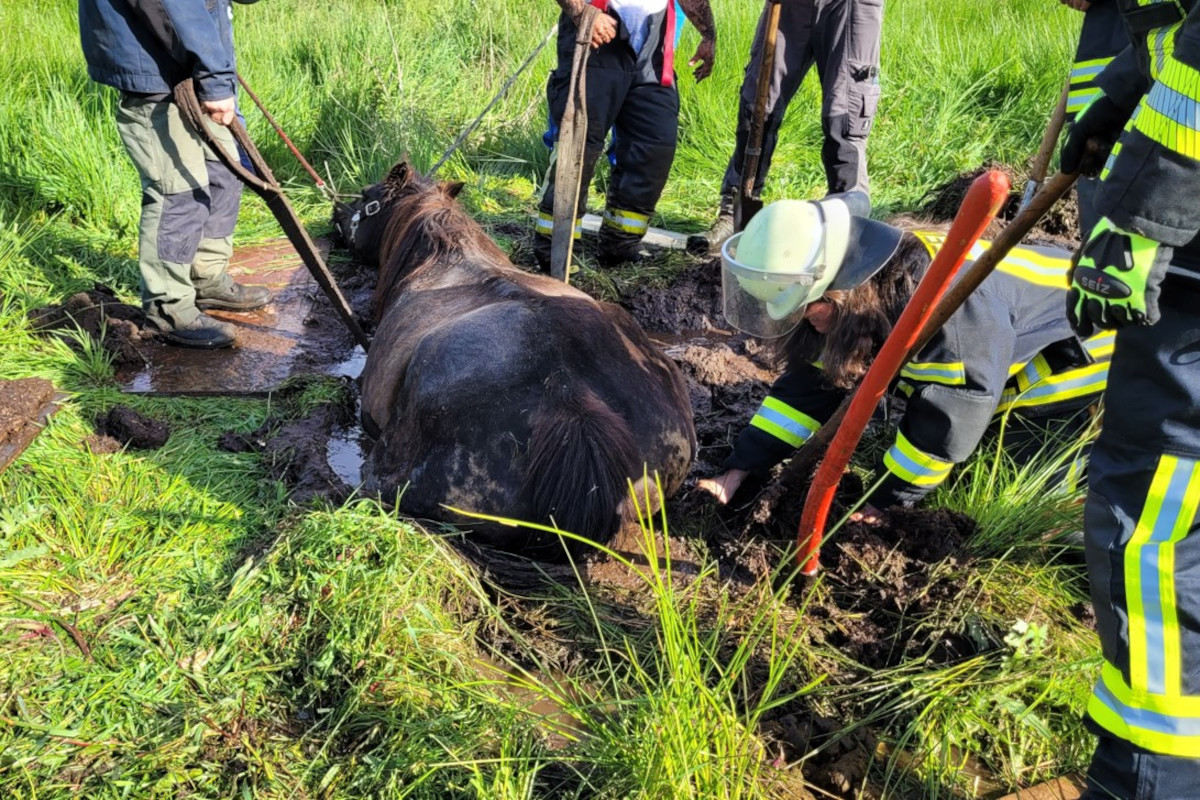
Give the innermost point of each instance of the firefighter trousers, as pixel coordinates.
(1143, 556)
(644, 118)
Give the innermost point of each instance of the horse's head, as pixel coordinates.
(361, 223)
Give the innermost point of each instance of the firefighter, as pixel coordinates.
(630, 89)
(841, 37)
(1007, 349)
(190, 200)
(1138, 272)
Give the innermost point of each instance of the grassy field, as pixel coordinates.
(170, 626)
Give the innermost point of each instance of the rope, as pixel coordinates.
(467, 131)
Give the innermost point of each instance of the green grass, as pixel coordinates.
(171, 626)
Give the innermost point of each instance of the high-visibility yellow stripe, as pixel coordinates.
(545, 225)
(952, 373)
(1063, 386)
(627, 221)
(1170, 112)
(1172, 648)
(1169, 725)
(931, 239)
(915, 466)
(1100, 346)
(1168, 514)
(784, 422)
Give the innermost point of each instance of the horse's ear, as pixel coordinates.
(398, 176)
(453, 189)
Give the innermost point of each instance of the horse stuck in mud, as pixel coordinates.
(499, 392)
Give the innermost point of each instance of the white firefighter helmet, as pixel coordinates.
(792, 252)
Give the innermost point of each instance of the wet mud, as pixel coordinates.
(119, 328)
(25, 405)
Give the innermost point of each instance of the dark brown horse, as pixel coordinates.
(497, 391)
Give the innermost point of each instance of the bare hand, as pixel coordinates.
(869, 515)
(1078, 5)
(703, 59)
(724, 485)
(604, 30)
(222, 112)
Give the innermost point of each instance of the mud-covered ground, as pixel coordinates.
(881, 583)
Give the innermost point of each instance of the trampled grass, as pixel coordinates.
(170, 626)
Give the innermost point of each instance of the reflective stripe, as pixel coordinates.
(1169, 512)
(1077, 99)
(1067, 385)
(1036, 268)
(1169, 114)
(1116, 151)
(1089, 69)
(627, 221)
(1169, 725)
(1033, 373)
(1100, 346)
(932, 240)
(1083, 88)
(949, 374)
(784, 422)
(913, 466)
(545, 225)
(1021, 262)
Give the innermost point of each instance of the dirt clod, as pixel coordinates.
(132, 429)
(118, 327)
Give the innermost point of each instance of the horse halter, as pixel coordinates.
(370, 209)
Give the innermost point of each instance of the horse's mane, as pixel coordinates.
(426, 226)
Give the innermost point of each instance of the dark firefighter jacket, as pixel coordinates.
(1008, 347)
(1143, 187)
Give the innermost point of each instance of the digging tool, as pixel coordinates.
(572, 139)
(265, 186)
(1041, 161)
(746, 204)
(846, 426)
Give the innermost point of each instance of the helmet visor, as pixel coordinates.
(768, 304)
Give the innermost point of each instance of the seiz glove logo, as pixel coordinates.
(1101, 283)
(1115, 280)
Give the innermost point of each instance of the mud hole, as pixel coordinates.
(876, 606)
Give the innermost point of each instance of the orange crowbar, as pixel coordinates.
(987, 193)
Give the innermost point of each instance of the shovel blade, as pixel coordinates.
(744, 209)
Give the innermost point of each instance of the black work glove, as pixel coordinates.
(1101, 120)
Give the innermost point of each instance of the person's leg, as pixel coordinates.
(608, 81)
(1142, 542)
(214, 287)
(793, 59)
(169, 159)
(647, 126)
(794, 51)
(846, 43)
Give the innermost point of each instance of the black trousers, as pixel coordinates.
(644, 117)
